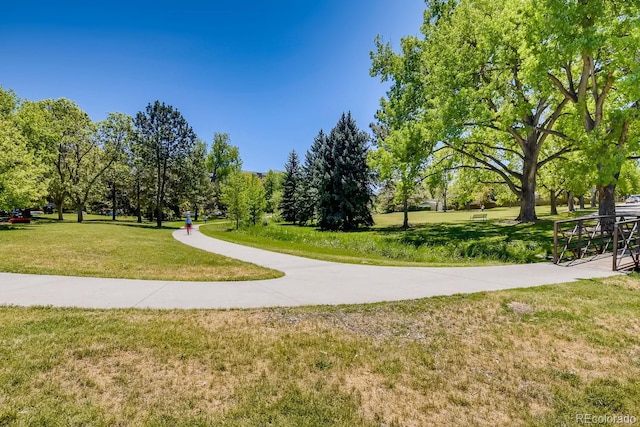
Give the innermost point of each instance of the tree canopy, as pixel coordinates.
(515, 85)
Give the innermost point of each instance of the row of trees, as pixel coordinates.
(150, 165)
(518, 93)
(334, 185)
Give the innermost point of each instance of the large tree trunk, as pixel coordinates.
(113, 202)
(80, 211)
(138, 208)
(59, 201)
(554, 202)
(581, 202)
(607, 205)
(607, 198)
(570, 206)
(160, 188)
(444, 200)
(159, 216)
(405, 211)
(528, 199)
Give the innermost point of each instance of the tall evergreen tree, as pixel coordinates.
(345, 179)
(308, 193)
(288, 204)
(165, 140)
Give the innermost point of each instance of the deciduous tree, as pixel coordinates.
(234, 195)
(273, 189)
(22, 174)
(589, 51)
(256, 200)
(222, 160)
(195, 178)
(89, 157)
(478, 90)
(57, 130)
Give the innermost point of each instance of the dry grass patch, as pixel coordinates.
(523, 357)
(125, 380)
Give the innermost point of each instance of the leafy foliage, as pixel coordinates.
(21, 171)
(256, 201)
(235, 196)
(222, 161)
(273, 190)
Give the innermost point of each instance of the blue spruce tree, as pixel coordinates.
(344, 187)
(288, 203)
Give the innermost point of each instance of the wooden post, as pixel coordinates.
(580, 225)
(555, 242)
(615, 248)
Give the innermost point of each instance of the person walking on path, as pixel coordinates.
(188, 223)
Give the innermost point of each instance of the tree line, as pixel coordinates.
(497, 101)
(151, 165)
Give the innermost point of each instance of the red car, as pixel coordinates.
(17, 220)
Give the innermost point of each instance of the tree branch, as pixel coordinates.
(496, 147)
(567, 70)
(518, 138)
(587, 66)
(556, 155)
(516, 189)
(567, 94)
(547, 127)
(599, 113)
(540, 109)
(502, 172)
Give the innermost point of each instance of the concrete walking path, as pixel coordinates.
(306, 282)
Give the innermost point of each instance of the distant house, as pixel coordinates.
(260, 175)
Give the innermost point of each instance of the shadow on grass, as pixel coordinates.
(147, 225)
(11, 227)
(121, 223)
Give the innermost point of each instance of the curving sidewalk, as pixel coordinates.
(306, 282)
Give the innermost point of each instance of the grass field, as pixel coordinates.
(125, 249)
(435, 239)
(431, 217)
(530, 357)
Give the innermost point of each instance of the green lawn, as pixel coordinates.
(434, 239)
(101, 248)
(432, 217)
(528, 357)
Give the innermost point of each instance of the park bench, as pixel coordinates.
(480, 216)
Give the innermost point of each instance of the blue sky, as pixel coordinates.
(269, 73)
